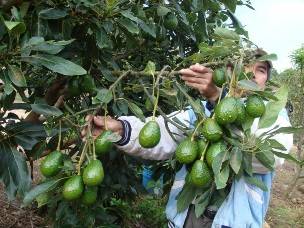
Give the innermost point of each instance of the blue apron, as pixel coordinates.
(245, 206)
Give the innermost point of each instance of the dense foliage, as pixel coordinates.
(63, 59)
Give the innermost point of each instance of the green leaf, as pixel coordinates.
(275, 144)
(185, 198)
(15, 27)
(162, 11)
(201, 203)
(236, 159)
(273, 108)
(52, 14)
(248, 85)
(270, 57)
(16, 76)
(40, 189)
(56, 64)
(221, 178)
(224, 33)
(150, 68)
(218, 161)
(230, 4)
(13, 170)
(129, 15)
(136, 111)
(286, 156)
(104, 96)
(268, 95)
(39, 44)
(287, 130)
(256, 182)
(196, 105)
(267, 159)
(103, 40)
(42, 199)
(129, 25)
(247, 163)
(26, 134)
(46, 110)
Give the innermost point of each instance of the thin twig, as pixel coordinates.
(161, 111)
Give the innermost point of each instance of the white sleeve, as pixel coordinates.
(166, 147)
(285, 139)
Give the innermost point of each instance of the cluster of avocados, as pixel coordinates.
(83, 185)
(200, 153)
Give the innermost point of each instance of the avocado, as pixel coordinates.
(186, 151)
(211, 130)
(52, 164)
(241, 112)
(73, 188)
(149, 135)
(201, 147)
(218, 77)
(93, 173)
(214, 150)
(255, 106)
(89, 195)
(226, 111)
(102, 144)
(200, 174)
(87, 84)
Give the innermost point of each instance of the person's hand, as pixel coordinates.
(200, 78)
(98, 125)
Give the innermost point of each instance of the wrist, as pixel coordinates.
(215, 96)
(120, 128)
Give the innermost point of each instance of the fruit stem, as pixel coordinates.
(119, 79)
(105, 118)
(59, 139)
(195, 130)
(161, 112)
(93, 146)
(157, 95)
(83, 152)
(205, 149)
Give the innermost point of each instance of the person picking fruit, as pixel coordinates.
(246, 205)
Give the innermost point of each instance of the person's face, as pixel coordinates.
(259, 69)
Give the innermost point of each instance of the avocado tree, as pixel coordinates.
(62, 60)
(294, 79)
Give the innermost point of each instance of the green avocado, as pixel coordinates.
(200, 174)
(218, 77)
(187, 151)
(52, 164)
(202, 143)
(73, 88)
(149, 135)
(73, 188)
(241, 112)
(89, 195)
(226, 111)
(93, 173)
(170, 21)
(102, 144)
(211, 130)
(87, 84)
(214, 150)
(255, 106)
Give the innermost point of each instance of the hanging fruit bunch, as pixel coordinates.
(221, 147)
(83, 183)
